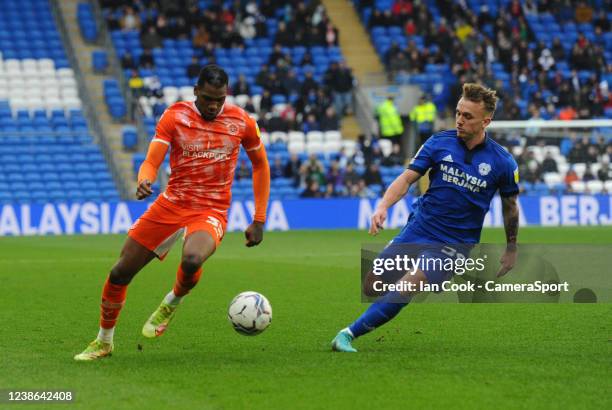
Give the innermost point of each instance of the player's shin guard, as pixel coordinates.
(184, 283)
(113, 299)
(379, 313)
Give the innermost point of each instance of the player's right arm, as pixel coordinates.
(394, 193)
(147, 174)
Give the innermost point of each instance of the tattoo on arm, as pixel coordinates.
(511, 218)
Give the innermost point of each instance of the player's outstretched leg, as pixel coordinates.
(133, 258)
(379, 313)
(198, 247)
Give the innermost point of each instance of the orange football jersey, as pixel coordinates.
(203, 154)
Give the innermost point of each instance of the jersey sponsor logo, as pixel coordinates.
(460, 178)
(197, 151)
(484, 169)
(448, 158)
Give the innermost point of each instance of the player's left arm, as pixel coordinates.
(510, 211)
(261, 182)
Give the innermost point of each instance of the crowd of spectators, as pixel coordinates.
(542, 78)
(314, 105)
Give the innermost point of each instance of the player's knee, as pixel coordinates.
(121, 275)
(191, 262)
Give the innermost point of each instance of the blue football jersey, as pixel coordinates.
(462, 185)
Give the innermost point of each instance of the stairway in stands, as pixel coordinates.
(356, 49)
(112, 130)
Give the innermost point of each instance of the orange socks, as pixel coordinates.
(113, 298)
(184, 283)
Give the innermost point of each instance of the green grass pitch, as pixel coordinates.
(430, 356)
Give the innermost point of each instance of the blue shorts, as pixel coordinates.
(414, 243)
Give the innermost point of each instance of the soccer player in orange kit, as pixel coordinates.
(205, 138)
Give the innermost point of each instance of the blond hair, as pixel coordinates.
(477, 93)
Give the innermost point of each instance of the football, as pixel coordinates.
(250, 313)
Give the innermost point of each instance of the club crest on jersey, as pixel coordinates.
(484, 169)
(232, 129)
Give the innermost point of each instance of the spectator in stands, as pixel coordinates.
(136, 84)
(532, 173)
(592, 154)
(313, 190)
(241, 86)
(291, 84)
(331, 35)
(549, 164)
(249, 106)
(309, 83)
(311, 124)
(372, 175)
(570, 177)
(313, 170)
(130, 20)
(335, 175)
(390, 122)
(307, 59)
(330, 191)
(351, 177)
(276, 55)
(277, 170)
(201, 37)
(330, 121)
(127, 61)
(605, 172)
(577, 154)
(588, 174)
(193, 69)
(557, 50)
(146, 59)
(340, 79)
(546, 61)
(265, 104)
(394, 158)
(150, 38)
(243, 171)
(398, 64)
(283, 36)
(292, 169)
(152, 86)
(361, 190)
(423, 115)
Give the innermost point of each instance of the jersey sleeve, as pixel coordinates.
(164, 131)
(252, 137)
(423, 160)
(508, 185)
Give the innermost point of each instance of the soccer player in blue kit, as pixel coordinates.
(466, 169)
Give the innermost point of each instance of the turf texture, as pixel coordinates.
(430, 356)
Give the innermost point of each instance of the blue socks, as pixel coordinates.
(379, 313)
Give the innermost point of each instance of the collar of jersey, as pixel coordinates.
(480, 146)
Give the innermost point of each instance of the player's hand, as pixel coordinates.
(378, 219)
(508, 260)
(144, 189)
(254, 234)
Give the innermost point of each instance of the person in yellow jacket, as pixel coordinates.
(389, 121)
(424, 114)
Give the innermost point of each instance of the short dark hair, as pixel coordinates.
(477, 93)
(213, 75)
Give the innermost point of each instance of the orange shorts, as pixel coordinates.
(164, 223)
